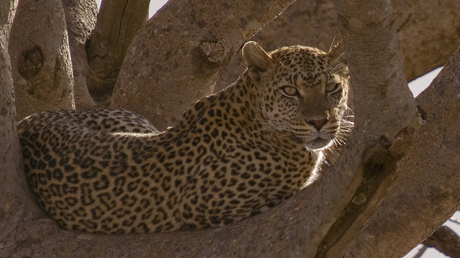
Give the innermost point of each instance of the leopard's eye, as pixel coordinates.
(290, 91)
(332, 87)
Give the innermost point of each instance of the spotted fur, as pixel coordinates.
(233, 155)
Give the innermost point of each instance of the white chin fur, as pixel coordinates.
(317, 144)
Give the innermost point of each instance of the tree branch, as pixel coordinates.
(420, 252)
(446, 241)
(425, 190)
(117, 24)
(170, 65)
(377, 79)
(427, 40)
(80, 18)
(297, 227)
(40, 58)
(376, 68)
(424, 177)
(14, 198)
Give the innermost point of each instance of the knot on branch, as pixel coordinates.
(30, 62)
(401, 143)
(214, 51)
(395, 150)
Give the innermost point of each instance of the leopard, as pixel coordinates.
(234, 154)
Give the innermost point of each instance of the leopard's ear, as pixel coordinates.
(255, 56)
(337, 59)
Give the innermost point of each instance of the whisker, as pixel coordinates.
(332, 44)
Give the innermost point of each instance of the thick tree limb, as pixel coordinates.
(177, 56)
(426, 176)
(40, 58)
(14, 200)
(80, 18)
(377, 79)
(117, 24)
(430, 36)
(376, 68)
(425, 192)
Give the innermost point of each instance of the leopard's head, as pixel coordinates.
(301, 92)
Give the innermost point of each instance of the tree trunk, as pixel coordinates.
(80, 18)
(40, 58)
(424, 193)
(15, 197)
(177, 56)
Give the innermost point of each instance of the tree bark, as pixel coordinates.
(40, 58)
(395, 183)
(428, 36)
(384, 111)
(424, 193)
(80, 18)
(177, 56)
(117, 24)
(15, 198)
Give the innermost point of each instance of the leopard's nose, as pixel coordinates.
(318, 124)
